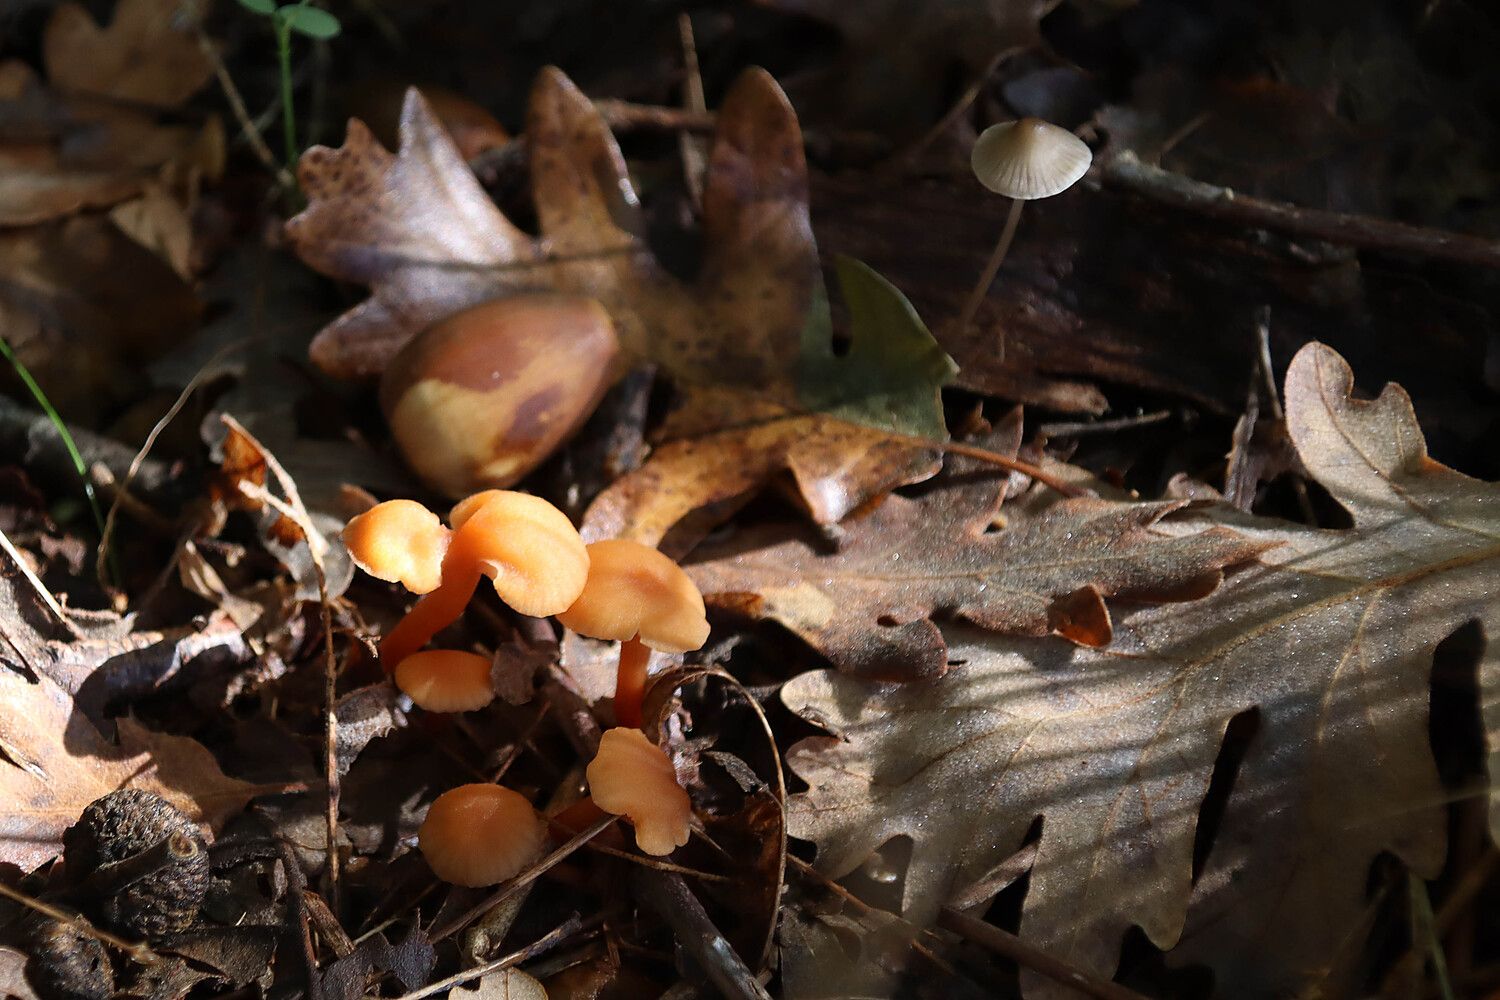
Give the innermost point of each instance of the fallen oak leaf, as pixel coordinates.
(1044, 566)
(148, 54)
(419, 229)
(1329, 642)
(53, 762)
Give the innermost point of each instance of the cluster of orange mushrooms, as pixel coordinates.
(618, 590)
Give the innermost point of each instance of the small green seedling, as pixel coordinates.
(287, 20)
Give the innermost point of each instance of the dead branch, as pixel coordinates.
(1127, 173)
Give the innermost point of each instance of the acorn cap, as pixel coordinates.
(1029, 159)
(633, 590)
(482, 397)
(528, 548)
(633, 777)
(446, 680)
(400, 541)
(477, 835)
(126, 823)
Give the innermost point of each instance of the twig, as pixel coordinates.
(248, 129)
(1268, 373)
(296, 885)
(627, 115)
(546, 941)
(137, 950)
(1126, 172)
(522, 880)
(1003, 461)
(42, 593)
(1081, 428)
(959, 108)
(987, 935)
(864, 907)
(293, 509)
(675, 903)
(123, 488)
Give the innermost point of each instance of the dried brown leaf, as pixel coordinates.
(418, 228)
(1329, 641)
(147, 55)
(1045, 566)
(53, 762)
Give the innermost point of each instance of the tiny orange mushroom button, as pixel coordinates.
(446, 680)
(477, 835)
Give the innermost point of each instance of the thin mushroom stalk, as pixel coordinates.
(643, 600)
(992, 268)
(630, 682)
(1023, 160)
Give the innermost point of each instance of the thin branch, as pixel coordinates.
(241, 114)
(138, 950)
(1082, 428)
(546, 941)
(675, 903)
(1127, 173)
(627, 115)
(43, 594)
(122, 490)
(1029, 956)
(522, 880)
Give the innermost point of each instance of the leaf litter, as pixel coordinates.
(1024, 719)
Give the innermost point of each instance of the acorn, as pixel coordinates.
(66, 963)
(482, 397)
(137, 863)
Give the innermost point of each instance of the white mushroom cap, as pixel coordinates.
(1029, 159)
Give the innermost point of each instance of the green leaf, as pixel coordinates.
(263, 7)
(309, 21)
(894, 370)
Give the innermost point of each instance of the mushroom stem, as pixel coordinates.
(987, 278)
(630, 682)
(429, 616)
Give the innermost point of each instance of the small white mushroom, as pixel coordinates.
(1023, 160)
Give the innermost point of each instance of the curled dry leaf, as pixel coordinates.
(148, 54)
(418, 228)
(1045, 566)
(1329, 641)
(53, 762)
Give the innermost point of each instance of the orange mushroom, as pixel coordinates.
(399, 541)
(633, 777)
(477, 835)
(643, 599)
(446, 680)
(525, 545)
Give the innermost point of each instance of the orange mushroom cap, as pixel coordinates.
(400, 541)
(633, 590)
(446, 680)
(477, 835)
(633, 777)
(528, 547)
